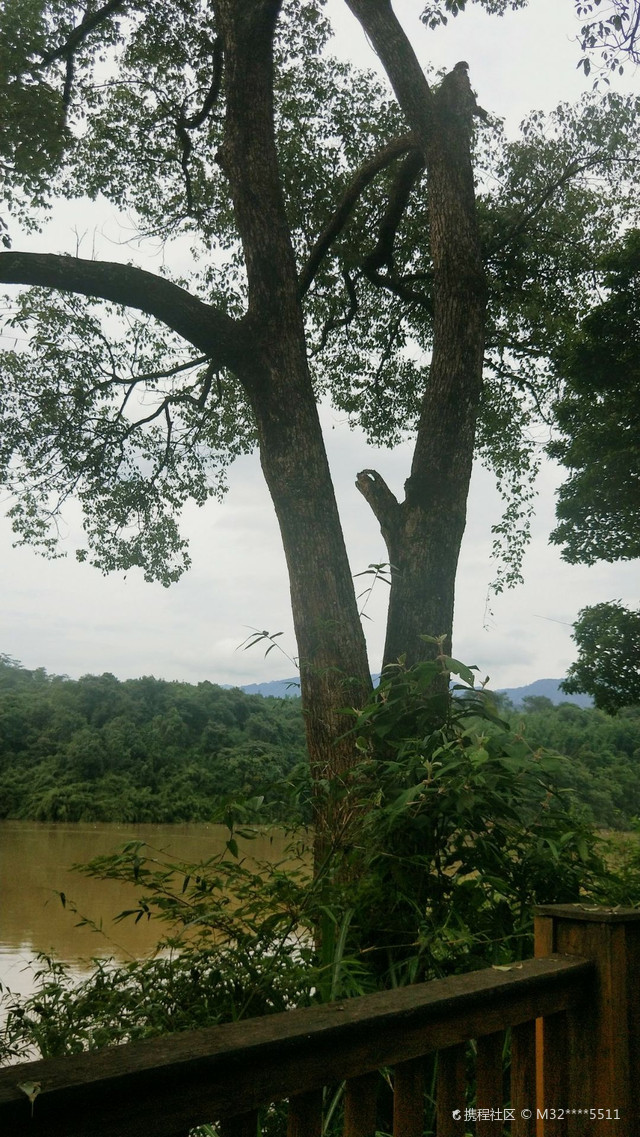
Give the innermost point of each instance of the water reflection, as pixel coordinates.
(35, 863)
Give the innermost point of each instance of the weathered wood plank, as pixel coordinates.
(556, 1058)
(187, 1079)
(543, 931)
(408, 1099)
(360, 1101)
(523, 1079)
(304, 1118)
(601, 1044)
(589, 913)
(450, 1092)
(490, 1080)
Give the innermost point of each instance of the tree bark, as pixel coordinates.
(334, 669)
(424, 533)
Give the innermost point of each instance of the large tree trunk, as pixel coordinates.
(424, 532)
(333, 661)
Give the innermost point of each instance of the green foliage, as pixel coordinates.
(608, 664)
(72, 388)
(458, 832)
(601, 766)
(544, 220)
(142, 750)
(437, 12)
(32, 101)
(452, 829)
(146, 750)
(598, 417)
(130, 422)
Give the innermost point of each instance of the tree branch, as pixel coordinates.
(213, 93)
(408, 174)
(399, 287)
(186, 124)
(360, 180)
(224, 340)
(407, 78)
(385, 505)
(335, 322)
(186, 147)
(81, 31)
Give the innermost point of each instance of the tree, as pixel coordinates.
(608, 665)
(598, 416)
(229, 123)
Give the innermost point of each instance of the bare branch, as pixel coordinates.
(360, 180)
(68, 86)
(400, 287)
(164, 463)
(186, 148)
(184, 124)
(146, 377)
(149, 376)
(161, 409)
(130, 389)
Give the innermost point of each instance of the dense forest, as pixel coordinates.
(97, 749)
(602, 753)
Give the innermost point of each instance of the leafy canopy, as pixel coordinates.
(608, 664)
(598, 416)
(125, 104)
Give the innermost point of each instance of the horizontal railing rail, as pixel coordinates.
(166, 1085)
(163, 1087)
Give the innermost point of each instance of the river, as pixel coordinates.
(35, 865)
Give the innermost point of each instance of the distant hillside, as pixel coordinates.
(550, 688)
(278, 688)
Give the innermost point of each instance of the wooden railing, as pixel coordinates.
(574, 1072)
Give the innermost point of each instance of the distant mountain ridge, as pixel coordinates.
(278, 688)
(547, 688)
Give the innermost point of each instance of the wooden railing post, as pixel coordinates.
(305, 1115)
(245, 1125)
(360, 1100)
(592, 1055)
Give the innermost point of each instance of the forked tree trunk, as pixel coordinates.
(424, 532)
(334, 668)
(266, 350)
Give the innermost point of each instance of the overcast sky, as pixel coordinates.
(68, 618)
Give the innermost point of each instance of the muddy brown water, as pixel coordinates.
(35, 865)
